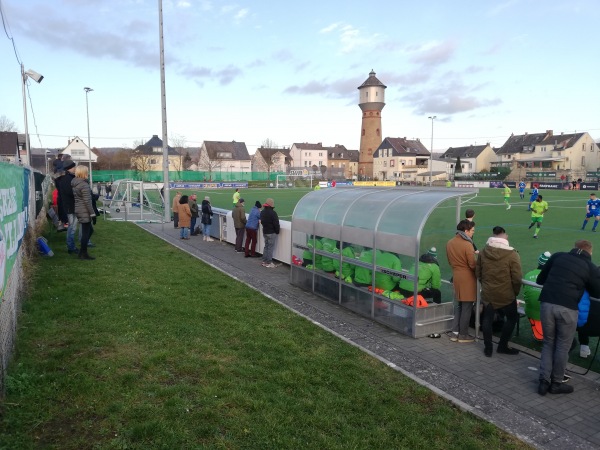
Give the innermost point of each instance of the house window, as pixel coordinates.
(583, 161)
(583, 147)
(153, 161)
(385, 164)
(403, 162)
(543, 149)
(392, 163)
(305, 163)
(224, 155)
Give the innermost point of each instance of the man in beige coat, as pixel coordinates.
(461, 257)
(499, 271)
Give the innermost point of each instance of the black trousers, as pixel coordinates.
(86, 233)
(511, 314)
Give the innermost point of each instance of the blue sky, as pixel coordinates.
(288, 71)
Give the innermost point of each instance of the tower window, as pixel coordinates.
(363, 132)
(377, 131)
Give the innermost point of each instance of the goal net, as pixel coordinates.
(294, 179)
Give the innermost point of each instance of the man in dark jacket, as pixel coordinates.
(270, 223)
(67, 199)
(564, 279)
(499, 270)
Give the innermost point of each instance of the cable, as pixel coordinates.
(10, 38)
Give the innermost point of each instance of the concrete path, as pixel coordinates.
(501, 389)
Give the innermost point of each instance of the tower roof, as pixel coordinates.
(372, 81)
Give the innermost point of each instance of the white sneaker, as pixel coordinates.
(584, 351)
(509, 206)
(209, 239)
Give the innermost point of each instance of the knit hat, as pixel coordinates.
(269, 202)
(207, 198)
(69, 165)
(433, 252)
(258, 204)
(241, 200)
(544, 257)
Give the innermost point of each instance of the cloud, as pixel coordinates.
(350, 38)
(434, 53)
(342, 88)
(183, 4)
(448, 98)
(496, 10)
(241, 14)
(201, 74)
(283, 55)
(329, 28)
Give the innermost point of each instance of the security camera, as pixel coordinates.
(34, 76)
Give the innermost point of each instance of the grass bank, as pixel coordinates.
(147, 347)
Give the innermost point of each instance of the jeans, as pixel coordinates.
(239, 239)
(184, 232)
(558, 324)
(507, 329)
(86, 233)
(176, 220)
(251, 236)
(206, 229)
(193, 225)
(462, 317)
(71, 232)
(270, 240)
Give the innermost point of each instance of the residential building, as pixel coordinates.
(400, 159)
(371, 102)
(271, 160)
(149, 156)
(338, 163)
(306, 156)
(353, 156)
(79, 151)
(473, 159)
(225, 158)
(9, 146)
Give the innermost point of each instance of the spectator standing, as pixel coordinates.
(67, 199)
(564, 278)
(461, 257)
(538, 208)
(108, 190)
(175, 209)
(194, 210)
(185, 217)
(57, 164)
(270, 225)
(83, 208)
(239, 223)
(206, 220)
(252, 229)
(499, 270)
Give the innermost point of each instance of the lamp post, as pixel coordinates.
(38, 79)
(87, 110)
(431, 153)
(46, 157)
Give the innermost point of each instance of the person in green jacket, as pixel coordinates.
(328, 245)
(384, 281)
(429, 280)
(307, 255)
(531, 295)
(348, 254)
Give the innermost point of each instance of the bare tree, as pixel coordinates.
(7, 125)
(269, 143)
(209, 165)
(178, 144)
(323, 171)
(141, 161)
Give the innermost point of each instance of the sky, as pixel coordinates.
(288, 72)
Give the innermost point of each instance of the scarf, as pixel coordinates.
(463, 235)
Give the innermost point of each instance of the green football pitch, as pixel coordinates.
(560, 229)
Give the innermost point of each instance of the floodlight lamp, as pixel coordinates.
(34, 76)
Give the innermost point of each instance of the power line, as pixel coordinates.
(9, 36)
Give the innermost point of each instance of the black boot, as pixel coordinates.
(84, 255)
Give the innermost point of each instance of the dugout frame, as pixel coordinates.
(405, 221)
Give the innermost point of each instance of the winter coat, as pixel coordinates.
(566, 275)
(239, 216)
(499, 270)
(83, 200)
(206, 213)
(185, 215)
(175, 206)
(269, 220)
(461, 258)
(65, 192)
(429, 277)
(253, 218)
(347, 268)
(330, 246)
(193, 207)
(382, 280)
(531, 295)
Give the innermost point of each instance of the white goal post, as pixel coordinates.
(281, 181)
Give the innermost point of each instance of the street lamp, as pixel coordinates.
(47, 158)
(87, 110)
(38, 79)
(431, 153)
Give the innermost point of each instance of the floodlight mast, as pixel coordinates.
(87, 110)
(38, 79)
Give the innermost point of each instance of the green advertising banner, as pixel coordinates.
(14, 202)
(540, 174)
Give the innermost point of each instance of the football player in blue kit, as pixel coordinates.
(522, 189)
(592, 210)
(534, 196)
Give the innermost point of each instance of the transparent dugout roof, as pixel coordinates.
(400, 211)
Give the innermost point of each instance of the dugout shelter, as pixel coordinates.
(339, 235)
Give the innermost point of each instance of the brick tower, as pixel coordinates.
(371, 102)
